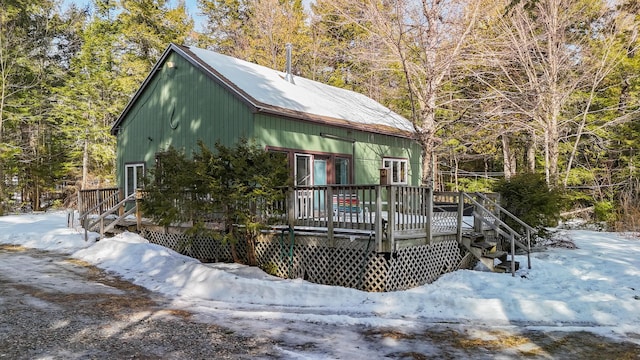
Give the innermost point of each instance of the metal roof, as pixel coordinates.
(267, 90)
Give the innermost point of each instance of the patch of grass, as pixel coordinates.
(12, 248)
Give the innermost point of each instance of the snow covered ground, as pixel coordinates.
(595, 287)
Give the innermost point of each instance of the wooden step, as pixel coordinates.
(475, 236)
(483, 245)
(496, 255)
(506, 266)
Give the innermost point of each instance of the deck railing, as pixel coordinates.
(96, 205)
(386, 213)
(97, 201)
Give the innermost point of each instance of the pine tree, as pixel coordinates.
(90, 101)
(226, 27)
(32, 55)
(147, 27)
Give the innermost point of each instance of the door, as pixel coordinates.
(303, 174)
(134, 174)
(319, 179)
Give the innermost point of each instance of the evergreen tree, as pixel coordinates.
(235, 186)
(336, 43)
(90, 101)
(272, 25)
(146, 28)
(32, 58)
(226, 27)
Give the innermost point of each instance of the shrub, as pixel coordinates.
(604, 211)
(234, 186)
(528, 197)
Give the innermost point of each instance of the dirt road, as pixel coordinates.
(55, 307)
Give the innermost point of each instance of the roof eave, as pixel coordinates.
(195, 61)
(116, 125)
(325, 120)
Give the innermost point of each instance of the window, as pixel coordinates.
(317, 168)
(397, 170)
(341, 166)
(303, 170)
(134, 177)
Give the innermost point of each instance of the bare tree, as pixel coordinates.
(273, 24)
(540, 55)
(424, 41)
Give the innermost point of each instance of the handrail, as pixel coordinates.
(505, 211)
(528, 229)
(504, 230)
(114, 223)
(101, 217)
(112, 210)
(98, 205)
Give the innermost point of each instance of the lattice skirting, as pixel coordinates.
(347, 262)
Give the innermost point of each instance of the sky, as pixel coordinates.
(192, 8)
(594, 288)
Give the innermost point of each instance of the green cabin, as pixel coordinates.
(331, 135)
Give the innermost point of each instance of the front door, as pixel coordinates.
(318, 170)
(319, 179)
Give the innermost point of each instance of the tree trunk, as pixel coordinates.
(85, 163)
(2, 179)
(530, 154)
(428, 161)
(251, 250)
(455, 172)
(553, 147)
(509, 159)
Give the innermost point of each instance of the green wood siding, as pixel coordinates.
(369, 148)
(178, 107)
(182, 105)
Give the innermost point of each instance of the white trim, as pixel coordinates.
(398, 170)
(136, 182)
(309, 158)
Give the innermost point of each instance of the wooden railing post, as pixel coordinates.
(99, 200)
(80, 203)
(528, 248)
(291, 207)
(477, 222)
(513, 256)
(391, 225)
(120, 198)
(85, 222)
(138, 210)
(329, 214)
(101, 227)
(378, 219)
(429, 214)
(460, 216)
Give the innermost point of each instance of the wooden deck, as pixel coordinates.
(383, 219)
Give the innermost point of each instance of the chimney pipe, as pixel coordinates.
(289, 75)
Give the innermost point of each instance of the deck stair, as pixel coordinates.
(111, 220)
(486, 251)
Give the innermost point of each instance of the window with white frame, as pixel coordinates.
(134, 174)
(303, 172)
(398, 170)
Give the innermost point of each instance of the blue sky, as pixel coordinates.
(192, 8)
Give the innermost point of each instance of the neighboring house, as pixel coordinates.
(331, 135)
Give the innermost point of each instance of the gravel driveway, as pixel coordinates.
(55, 307)
(65, 309)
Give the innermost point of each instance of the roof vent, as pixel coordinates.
(289, 75)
